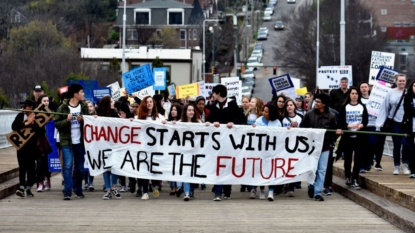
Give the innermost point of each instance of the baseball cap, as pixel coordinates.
(38, 88)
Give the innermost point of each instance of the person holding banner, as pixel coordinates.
(224, 111)
(353, 116)
(392, 112)
(201, 111)
(409, 127)
(320, 117)
(245, 105)
(148, 111)
(269, 118)
(300, 105)
(71, 139)
(89, 180)
(279, 103)
(174, 115)
(25, 156)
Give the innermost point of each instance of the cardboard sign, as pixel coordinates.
(328, 77)
(159, 79)
(88, 85)
(386, 75)
(19, 138)
(138, 78)
(234, 86)
(187, 90)
(115, 91)
(379, 59)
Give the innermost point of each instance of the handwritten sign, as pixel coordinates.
(207, 90)
(234, 86)
(115, 90)
(386, 75)
(378, 60)
(138, 78)
(88, 85)
(149, 91)
(159, 78)
(377, 95)
(187, 90)
(328, 77)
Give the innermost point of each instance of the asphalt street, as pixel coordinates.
(263, 88)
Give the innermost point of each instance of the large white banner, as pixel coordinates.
(380, 59)
(196, 153)
(328, 77)
(377, 95)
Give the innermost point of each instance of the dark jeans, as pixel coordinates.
(398, 144)
(88, 178)
(376, 144)
(226, 190)
(328, 181)
(352, 145)
(42, 169)
(26, 160)
(73, 168)
(122, 180)
(411, 146)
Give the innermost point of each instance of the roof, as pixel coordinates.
(159, 4)
(173, 54)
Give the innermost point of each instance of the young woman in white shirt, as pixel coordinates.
(255, 110)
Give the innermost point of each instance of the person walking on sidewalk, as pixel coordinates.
(320, 117)
(71, 139)
(409, 127)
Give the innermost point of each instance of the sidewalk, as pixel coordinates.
(47, 212)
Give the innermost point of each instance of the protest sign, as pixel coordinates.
(115, 90)
(283, 85)
(159, 79)
(88, 85)
(379, 59)
(377, 95)
(63, 90)
(207, 91)
(19, 138)
(328, 77)
(54, 163)
(149, 91)
(100, 93)
(386, 75)
(183, 91)
(234, 86)
(138, 78)
(195, 153)
(301, 91)
(171, 89)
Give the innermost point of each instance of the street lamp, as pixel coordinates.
(318, 38)
(124, 22)
(213, 48)
(203, 56)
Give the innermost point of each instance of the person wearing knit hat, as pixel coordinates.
(300, 104)
(320, 117)
(201, 111)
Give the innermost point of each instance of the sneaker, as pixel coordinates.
(378, 167)
(412, 176)
(139, 193)
(331, 189)
(203, 187)
(122, 189)
(47, 184)
(291, 194)
(405, 169)
(116, 194)
(396, 171)
(253, 194)
(80, 195)
(362, 170)
(40, 187)
(270, 196)
(355, 185)
(156, 192)
(217, 198)
(20, 193)
(348, 182)
(262, 194)
(310, 191)
(107, 196)
(179, 192)
(318, 198)
(145, 196)
(86, 186)
(91, 188)
(227, 197)
(327, 192)
(66, 198)
(29, 193)
(186, 197)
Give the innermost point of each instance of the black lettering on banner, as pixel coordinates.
(93, 163)
(250, 141)
(175, 137)
(128, 158)
(182, 164)
(139, 160)
(162, 131)
(196, 165)
(151, 136)
(217, 147)
(104, 157)
(174, 162)
(259, 136)
(153, 164)
(188, 136)
(202, 138)
(271, 143)
(303, 140)
(237, 146)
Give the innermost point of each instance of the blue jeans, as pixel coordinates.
(376, 145)
(398, 143)
(188, 188)
(73, 160)
(321, 173)
(109, 180)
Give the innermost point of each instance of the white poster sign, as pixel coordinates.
(377, 95)
(149, 91)
(380, 59)
(207, 90)
(196, 153)
(328, 77)
(234, 86)
(115, 91)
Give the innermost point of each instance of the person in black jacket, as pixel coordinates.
(26, 155)
(408, 125)
(224, 111)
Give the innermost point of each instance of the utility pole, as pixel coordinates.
(342, 35)
(318, 38)
(124, 22)
(235, 28)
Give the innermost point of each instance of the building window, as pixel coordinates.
(132, 35)
(384, 11)
(403, 61)
(397, 24)
(142, 16)
(183, 34)
(175, 18)
(190, 34)
(194, 34)
(383, 29)
(406, 24)
(17, 18)
(104, 67)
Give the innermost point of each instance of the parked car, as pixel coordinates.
(259, 46)
(273, 2)
(264, 29)
(246, 91)
(269, 10)
(249, 73)
(253, 62)
(250, 81)
(262, 36)
(279, 25)
(290, 1)
(257, 53)
(267, 17)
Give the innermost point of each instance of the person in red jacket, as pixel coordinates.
(201, 112)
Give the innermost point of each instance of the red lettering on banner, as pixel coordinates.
(279, 167)
(128, 136)
(272, 170)
(133, 134)
(290, 167)
(114, 134)
(253, 165)
(233, 168)
(219, 165)
(102, 133)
